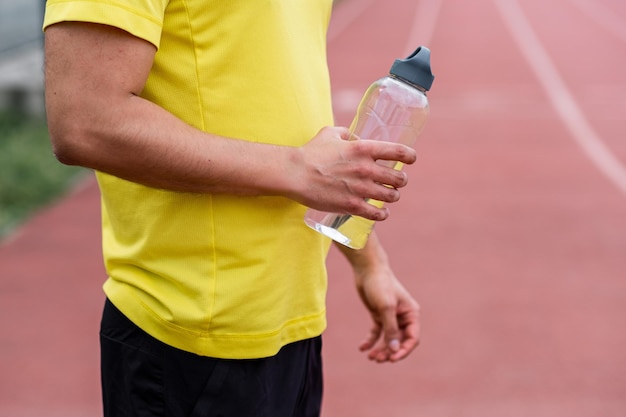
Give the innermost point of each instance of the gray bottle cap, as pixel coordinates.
(415, 69)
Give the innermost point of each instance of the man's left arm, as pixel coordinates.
(396, 330)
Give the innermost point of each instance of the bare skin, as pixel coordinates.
(94, 75)
(395, 331)
(97, 119)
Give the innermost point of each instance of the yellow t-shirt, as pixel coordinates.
(220, 275)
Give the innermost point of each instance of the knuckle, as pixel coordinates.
(399, 178)
(393, 195)
(353, 204)
(360, 147)
(362, 171)
(402, 178)
(406, 154)
(389, 306)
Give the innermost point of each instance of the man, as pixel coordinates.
(203, 121)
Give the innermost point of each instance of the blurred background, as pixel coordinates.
(30, 177)
(21, 42)
(511, 233)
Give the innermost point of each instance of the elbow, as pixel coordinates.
(66, 142)
(71, 126)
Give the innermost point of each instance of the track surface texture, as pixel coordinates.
(511, 233)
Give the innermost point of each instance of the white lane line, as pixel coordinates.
(603, 16)
(424, 24)
(344, 14)
(560, 96)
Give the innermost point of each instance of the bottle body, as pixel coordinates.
(391, 110)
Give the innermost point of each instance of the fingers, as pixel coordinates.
(378, 150)
(390, 344)
(409, 324)
(387, 157)
(371, 339)
(393, 351)
(384, 180)
(390, 328)
(387, 151)
(395, 338)
(404, 349)
(342, 174)
(409, 343)
(389, 177)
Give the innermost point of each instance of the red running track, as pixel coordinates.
(511, 234)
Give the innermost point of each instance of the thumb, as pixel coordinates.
(390, 330)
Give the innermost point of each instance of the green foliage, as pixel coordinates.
(30, 176)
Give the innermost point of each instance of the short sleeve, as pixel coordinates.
(141, 18)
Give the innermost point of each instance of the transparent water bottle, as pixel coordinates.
(393, 109)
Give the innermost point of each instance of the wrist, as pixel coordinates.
(368, 260)
(291, 182)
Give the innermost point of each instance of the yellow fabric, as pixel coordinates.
(218, 275)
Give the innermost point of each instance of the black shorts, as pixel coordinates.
(142, 376)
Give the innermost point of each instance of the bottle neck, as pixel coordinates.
(402, 80)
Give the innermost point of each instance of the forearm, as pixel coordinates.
(134, 139)
(97, 119)
(368, 260)
(395, 314)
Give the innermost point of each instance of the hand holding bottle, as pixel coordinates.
(394, 109)
(342, 174)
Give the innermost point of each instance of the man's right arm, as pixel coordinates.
(97, 119)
